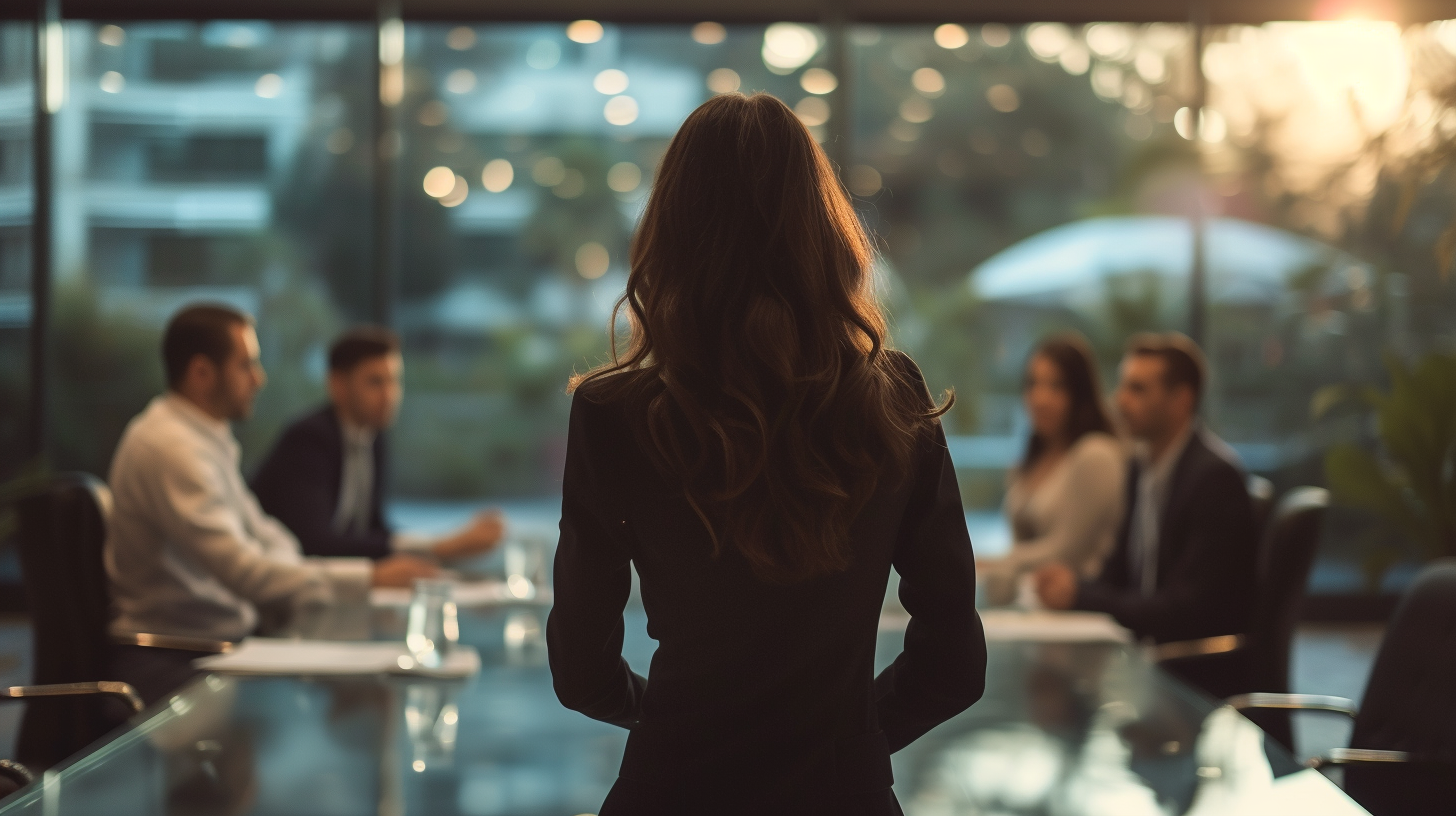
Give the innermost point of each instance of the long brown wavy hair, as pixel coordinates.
(757, 359)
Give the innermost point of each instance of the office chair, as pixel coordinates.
(1402, 754)
(1259, 659)
(62, 538)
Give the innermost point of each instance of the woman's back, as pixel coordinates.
(757, 688)
(763, 460)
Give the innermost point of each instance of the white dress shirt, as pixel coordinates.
(1154, 481)
(188, 549)
(353, 513)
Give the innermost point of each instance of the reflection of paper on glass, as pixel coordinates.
(466, 594)
(1042, 626)
(326, 657)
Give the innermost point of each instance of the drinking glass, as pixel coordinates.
(434, 624)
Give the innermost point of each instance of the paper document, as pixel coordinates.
(1043, 626)
(333, 657)
(467, 594)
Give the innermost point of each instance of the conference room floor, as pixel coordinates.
(1328, 659)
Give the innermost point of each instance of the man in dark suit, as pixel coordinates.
(1184, 566)
(324, 477)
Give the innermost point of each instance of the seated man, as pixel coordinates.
(189, 552)
(324, 477)
(1184, 566)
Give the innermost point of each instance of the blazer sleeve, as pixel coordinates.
(593, 579)
(1201, 593)
(942, 669)
(296, 486)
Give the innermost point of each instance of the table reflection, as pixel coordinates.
(1064, 730)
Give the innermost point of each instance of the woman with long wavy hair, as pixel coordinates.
(762, 459)
(1064, 499)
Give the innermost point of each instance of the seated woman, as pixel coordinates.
(1065, 499)
(762, 460)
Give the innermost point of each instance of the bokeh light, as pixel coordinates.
(620, 110)
(723, 80)
(610, 82)
(592, 260)
(709, 33)
(439, 182)
(585, 31)
(818, 81)
(497, 176)
(951, 36)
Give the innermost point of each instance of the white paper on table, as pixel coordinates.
(1302, 793)
(1045, 626)
(466, 594)
(280, 656)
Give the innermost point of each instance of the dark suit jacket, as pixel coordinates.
(299, 485)
(761, 696)
(1207, 556)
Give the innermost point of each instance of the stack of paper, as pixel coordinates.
(280, 656)
(1042, 626)
(467, 595)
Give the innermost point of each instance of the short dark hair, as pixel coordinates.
(202, 328)
(359, 344)
(1183, 362)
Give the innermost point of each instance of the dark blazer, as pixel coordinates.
(762, 697)
(1207, 556)
(299, 484)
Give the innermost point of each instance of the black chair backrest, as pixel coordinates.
(62, 539)
(1410, 701)
(1261, 495)
(1285, 558)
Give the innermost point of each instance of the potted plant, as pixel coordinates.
(1407, 478)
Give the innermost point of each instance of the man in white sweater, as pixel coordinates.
(189, 551)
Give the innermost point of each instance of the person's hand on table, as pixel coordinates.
(480, 536)
(1056, 585)
(402, 571)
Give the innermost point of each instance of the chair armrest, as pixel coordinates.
(1356, 756)
(183, 643)
(110, 687)
(1294, 702)
(1195, 648)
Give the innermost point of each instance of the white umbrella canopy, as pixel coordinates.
(1071, 265)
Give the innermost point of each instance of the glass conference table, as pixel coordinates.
(1066, 729)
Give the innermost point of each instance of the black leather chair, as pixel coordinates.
(1402, 755)
(62, 538)
(1259, 659)
(1261, 495)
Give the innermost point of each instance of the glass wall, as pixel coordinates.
(1326, 146)
(1019, 180)
(528, 153)
(1003, 170)
(220, 161)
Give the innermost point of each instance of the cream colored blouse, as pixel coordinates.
(1071, 517)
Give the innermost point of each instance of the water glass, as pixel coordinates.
(434, 624)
